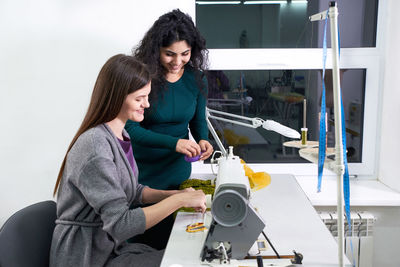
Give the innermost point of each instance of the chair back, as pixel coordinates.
(25, 238)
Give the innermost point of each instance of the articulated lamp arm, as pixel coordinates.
(252, 123)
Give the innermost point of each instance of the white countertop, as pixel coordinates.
(291, 224)
(363, 192)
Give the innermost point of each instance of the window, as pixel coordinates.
(279, 95)
(290, 65)
(283, 24)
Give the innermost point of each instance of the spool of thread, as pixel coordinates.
(304, 129)
(304, 113)
(304, 136)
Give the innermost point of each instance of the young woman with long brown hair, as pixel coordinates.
(97, 182)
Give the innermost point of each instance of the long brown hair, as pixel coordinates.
(120, 76)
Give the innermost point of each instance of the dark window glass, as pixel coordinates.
(279, 95)
(284, 25)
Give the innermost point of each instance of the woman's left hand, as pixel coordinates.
(188, 189)
(206, 148)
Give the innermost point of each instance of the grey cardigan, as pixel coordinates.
(94, 220)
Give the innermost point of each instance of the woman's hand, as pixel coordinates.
(188, 198)
(207, 149)
(193, 199)
(188, 147)
(188, 189)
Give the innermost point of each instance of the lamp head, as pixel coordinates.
(281, 129)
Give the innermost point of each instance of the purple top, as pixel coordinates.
(127, 147)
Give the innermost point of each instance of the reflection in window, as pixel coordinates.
(284, 25)
(279, 95)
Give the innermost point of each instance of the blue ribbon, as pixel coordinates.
(322, 123)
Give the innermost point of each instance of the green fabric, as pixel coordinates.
(180, 106)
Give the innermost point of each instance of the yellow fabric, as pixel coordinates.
(260, 180)
(257, 180)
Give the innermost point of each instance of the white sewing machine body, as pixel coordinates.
(235, 225)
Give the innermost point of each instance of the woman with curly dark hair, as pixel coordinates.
(176, 55)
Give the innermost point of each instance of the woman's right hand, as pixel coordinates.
(188, 147)
(193, 199)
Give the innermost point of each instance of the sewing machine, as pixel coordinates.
(235, 224)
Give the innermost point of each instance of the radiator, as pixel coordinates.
(361, 235)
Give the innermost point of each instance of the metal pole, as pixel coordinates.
(214, 134)
(333, 14)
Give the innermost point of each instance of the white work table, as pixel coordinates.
(291, 224)
(363, 191)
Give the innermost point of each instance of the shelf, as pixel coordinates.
(297, 144)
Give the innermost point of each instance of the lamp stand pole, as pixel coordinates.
(333, 14)
(338, 165)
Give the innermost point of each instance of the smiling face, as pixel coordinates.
(174, 57)
(135, 103)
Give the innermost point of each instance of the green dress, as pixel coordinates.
(180, 106)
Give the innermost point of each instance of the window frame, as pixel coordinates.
(368, 58)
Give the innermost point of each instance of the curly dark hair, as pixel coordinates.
(169, 28)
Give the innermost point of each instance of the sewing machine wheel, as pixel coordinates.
(229, 208)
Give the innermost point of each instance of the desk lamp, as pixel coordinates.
(251, 123)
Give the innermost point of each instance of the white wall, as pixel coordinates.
(50, 55)
(390, 141)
